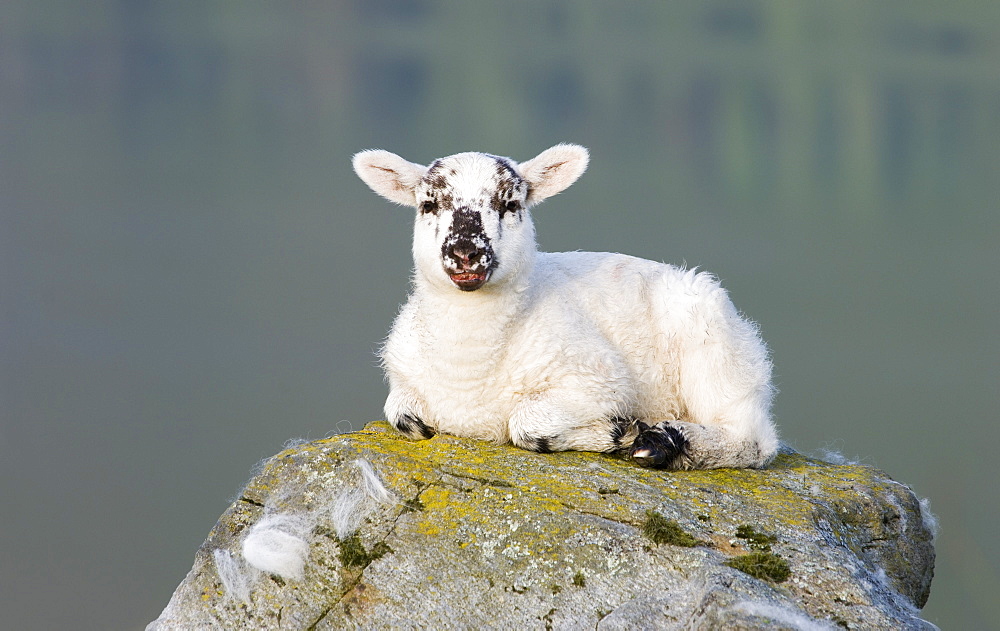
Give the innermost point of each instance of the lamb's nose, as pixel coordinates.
(466, 254)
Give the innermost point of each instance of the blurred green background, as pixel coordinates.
(190, 273)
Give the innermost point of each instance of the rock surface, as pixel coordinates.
(479, 536)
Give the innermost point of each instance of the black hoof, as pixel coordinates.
(621, 427)
(541, 444)
(414, 427)
(658, 446)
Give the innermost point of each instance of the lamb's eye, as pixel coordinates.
(429, 206)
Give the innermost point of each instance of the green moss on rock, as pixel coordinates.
(354, 554)
(659, 529)
(762, 565)
(757, 540)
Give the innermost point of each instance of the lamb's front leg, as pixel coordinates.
(554, 421)
(404, 411)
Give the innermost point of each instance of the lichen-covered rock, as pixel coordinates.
(484, 536)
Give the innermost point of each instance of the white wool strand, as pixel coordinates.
(349, 507)
(372, 484)
(276, 544)
(236, 577)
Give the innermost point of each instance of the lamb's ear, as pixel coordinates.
(389, 175)
(553, 170)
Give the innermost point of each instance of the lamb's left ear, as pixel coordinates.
(553, 170)
(389, 175)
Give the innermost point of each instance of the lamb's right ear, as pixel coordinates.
(389, 175)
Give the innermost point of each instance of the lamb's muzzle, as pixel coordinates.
(467, 265)
(469, 281)
(467, 254)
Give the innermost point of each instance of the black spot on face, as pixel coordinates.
(435, 168)
(436, 181)
(467, 224)
(437, 196)
(467, 248)
(505, 199)
(504, 168)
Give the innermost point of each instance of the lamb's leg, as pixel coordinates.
(413, 427)
(561, 422)
(724, 387)
(727, 401)
(402, 410)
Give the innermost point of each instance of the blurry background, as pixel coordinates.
(190, 273)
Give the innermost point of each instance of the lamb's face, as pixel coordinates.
(472, 227)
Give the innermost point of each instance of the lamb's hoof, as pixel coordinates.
(657, 446)
(414, 427)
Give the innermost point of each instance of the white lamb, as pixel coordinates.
(560, 351)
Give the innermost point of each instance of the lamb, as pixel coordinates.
(560, 351)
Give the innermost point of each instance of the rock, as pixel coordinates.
(476, 535)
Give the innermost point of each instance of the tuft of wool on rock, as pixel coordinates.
(346, 511)
(930, 519)
(236, 577)
(279, 542)
(348, 508)
(276, 544)
(372, 484)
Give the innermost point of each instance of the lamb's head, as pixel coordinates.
(472, 225)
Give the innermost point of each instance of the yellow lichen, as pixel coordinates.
(554, 483)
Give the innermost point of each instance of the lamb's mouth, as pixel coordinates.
(469, 281)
